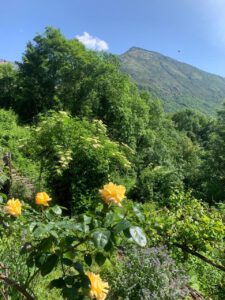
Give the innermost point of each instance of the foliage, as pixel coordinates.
(77, 158)
(60, 74)
(186, 221)
(147, 273)
(7, 84)
(195, 124)
(88, 126)
(75, 245)
(205, 278)
(213, 176)
(167, 160)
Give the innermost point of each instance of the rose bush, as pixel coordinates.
(75, 246)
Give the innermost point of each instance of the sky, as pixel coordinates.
(191, 31)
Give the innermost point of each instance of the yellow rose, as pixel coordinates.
(99, 288)
(13, 207)
(42, 198)
(113, 193)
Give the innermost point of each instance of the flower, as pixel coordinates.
(99, 288)
(113, 193)
(42, 198)
(13, 207)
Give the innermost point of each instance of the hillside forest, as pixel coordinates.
(104, 194)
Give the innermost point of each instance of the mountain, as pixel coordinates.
(2, 61)
(178, 84)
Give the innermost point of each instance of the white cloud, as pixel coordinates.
(92, 42)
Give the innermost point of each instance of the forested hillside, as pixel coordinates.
(179, 85)
(104, 195)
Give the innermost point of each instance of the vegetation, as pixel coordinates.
(179, 85)
(100, 185)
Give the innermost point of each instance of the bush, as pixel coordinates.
(147, 274)
(77, 157)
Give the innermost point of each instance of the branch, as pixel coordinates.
(202, 257)
(18, 287)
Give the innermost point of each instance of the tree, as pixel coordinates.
(214, 167)
(60, 74)
(7, 84)
(195, 124)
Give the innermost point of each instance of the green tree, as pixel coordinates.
(57, 73)
(213, 177)
(7, 84)
(195, 124)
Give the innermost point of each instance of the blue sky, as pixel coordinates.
(192, 31)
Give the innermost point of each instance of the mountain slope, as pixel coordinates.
(179, 85)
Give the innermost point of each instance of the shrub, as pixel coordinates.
(78, 158)
(147, 274)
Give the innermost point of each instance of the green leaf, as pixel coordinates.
(122, 225)
(86, 219)
(138, 236)
(57, 283)
(109, 218)
(126, 233)
(101, 238)
(30, 261)
(138, 212)
(46, 244)
(109, 247)
(78, 267)
(57, 210)
(69, 280)
(100, 259)
(49, 264)
(88, 259)
(66, 261)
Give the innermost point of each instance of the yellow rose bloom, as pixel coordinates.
(113, 193)
(42, 198)
(13, 207)
(99, 288)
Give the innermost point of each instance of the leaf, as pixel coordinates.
(66, 261)
(86, 219)
(30, 261)
(57, 210)
(88, 259)
(46, 244)
(57, 283)
(138, 236)
(122, 225)
(109, 219)
(100, 259)
(126, 233)
(101, 238)
(49, 264)
(69, 280)
(78, 267)
(138, 212)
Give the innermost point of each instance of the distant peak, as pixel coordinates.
(139, 49)
(2, 61)
(135, 49)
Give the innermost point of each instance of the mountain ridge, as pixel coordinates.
(171, 58)
(178, 84)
